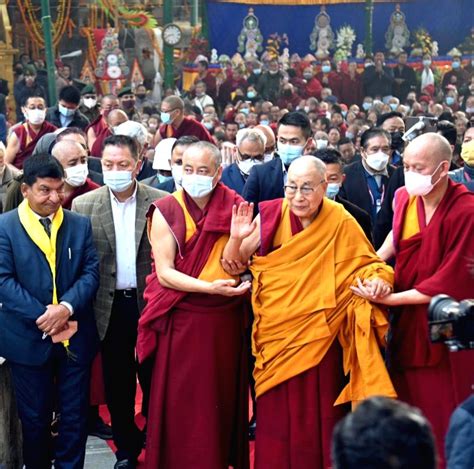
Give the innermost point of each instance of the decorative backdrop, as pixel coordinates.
(448, 21)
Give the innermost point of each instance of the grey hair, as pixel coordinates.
(252, 135)
(316, 162)
(207, 147)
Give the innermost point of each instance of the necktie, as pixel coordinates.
(46, 222)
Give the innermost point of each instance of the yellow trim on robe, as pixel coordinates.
(213, 269)
(302, 302)
(411, 224)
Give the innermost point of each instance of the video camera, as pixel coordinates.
(417, 126)
(451, 322)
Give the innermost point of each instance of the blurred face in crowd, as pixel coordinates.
(334, 173)
(376, 144)
(351, 117)
(352, 68)
(347, 151)
(231, 130)
(379, 57)
(200, 89)
(372, 116)
(402, 58)
(336, 118)
(153, 124)
(34, 110)
(140, 92)
(275, 113)
(119, 158)
(127, 101)
(334, 136)
(241, 120)
(273, 67)
(107, 104)
(252, 119)
(461, 125)
(394, 124)
(30, 78)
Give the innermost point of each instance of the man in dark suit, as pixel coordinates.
(366, 180)
(49, 275)
(266, 181)
(66, 113)
(118, 214)
(249, 152)
(335, 177)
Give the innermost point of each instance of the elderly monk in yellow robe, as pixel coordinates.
(316, 343)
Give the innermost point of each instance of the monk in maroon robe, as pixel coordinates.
(194, 327)
(433, 244)
(24, 136)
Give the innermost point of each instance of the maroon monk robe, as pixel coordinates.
(84, 189)
(296, 418)
(28, 139)
(199, 395)
(433, 261)
(189, 126)
(98, 144)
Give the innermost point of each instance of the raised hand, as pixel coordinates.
(242, 224)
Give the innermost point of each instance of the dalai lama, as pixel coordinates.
(309, 328)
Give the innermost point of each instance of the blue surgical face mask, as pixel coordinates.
(349, 135)
(265, 122)
(449, 100)
(245, 110)
(456, 65)
(289, 153)
(162, 178)
(66, 112)
(196, 185)
(326, 68)
(209, 125)
(251, 94)
(165, 117)
(257, 71)
(393, 106)
(332, 190)
(366, 106)
(118, 181)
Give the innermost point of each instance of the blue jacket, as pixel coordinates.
(265, 182)
(26, 288)
(460, 437)
(233, 178)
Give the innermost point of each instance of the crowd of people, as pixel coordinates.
(278, 231)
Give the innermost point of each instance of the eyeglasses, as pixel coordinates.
(305, 190)
(169, 111)
(251, 157)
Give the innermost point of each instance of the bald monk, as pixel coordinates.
(307, 251)
(432, 241)
(107, 104)
(175, 124)
(193, 326)
(114, 118)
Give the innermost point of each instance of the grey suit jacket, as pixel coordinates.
(97, 206)
(8, 175)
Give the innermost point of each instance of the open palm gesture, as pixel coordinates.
(242, 224)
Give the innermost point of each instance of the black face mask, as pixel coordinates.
(397, 142)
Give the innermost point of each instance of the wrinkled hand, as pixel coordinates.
(242, 224)
(234, 267)
(54, 320)
(376, 290)
(227, 288)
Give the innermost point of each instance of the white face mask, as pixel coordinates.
(35, 116)
(76, 175)
(197, 186)
(90, 102)
(118, 181)
(177, 173)
(246, 165)
(420, 184)
(321, 144)
(268, 157)
(377, 161)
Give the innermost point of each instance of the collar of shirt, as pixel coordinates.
(39, 216)
(372, 172)
(132, 197)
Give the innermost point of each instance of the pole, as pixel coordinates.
(369, 14)
(204, 21)
(48, 47)
(194, 13)
(168, 51)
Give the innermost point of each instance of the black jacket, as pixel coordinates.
(265, 182)
(232, 178)
(78, 120)
(361, 216)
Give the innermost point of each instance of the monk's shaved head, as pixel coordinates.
(431, 146)
(308, 164)
(116, 117)
(204, 149)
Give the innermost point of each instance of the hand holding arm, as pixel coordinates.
(54, 319)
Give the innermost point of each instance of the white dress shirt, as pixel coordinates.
(124, 215)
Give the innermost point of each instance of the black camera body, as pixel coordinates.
(451, 322)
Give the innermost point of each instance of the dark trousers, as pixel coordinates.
(120, 373)
(60, 384)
